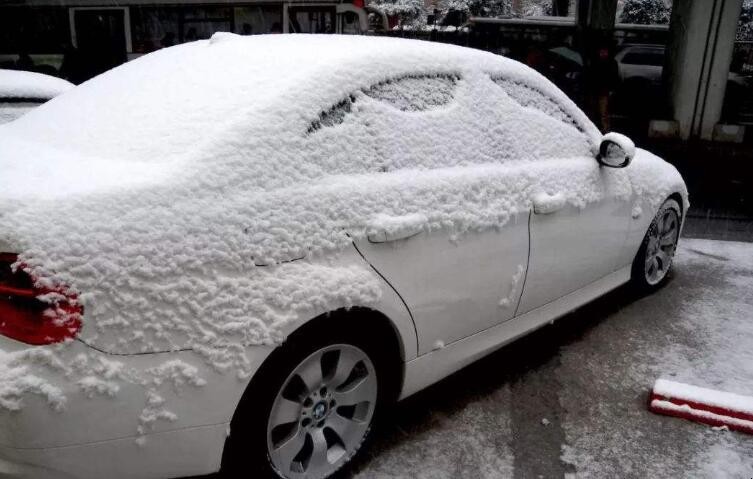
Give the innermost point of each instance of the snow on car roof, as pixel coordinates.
(31, 85)
(168, 104)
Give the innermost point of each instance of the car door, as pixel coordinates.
(455, 283)
(573, 246)
(580, 212)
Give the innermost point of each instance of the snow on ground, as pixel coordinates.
(589, 376)
(701, 335)
(469, 443)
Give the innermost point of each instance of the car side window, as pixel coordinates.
(415, 93)
(530, 97)
(655, 59)
(408, 93)
(334, 116)
(364, 127)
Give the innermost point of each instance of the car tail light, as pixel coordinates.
(27, 318)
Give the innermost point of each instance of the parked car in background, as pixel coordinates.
(234, 254)
(641, 64)
(21, 91)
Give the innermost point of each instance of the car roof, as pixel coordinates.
(184, 98)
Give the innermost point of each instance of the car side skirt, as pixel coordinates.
(432, 367)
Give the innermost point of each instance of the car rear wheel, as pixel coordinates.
(654, 259)
(322, 413)
(310, 411)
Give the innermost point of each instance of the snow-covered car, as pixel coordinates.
(21, 91)
(235, 253)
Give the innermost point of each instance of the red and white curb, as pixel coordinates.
(707, 406)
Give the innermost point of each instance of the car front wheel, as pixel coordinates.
(654, 259)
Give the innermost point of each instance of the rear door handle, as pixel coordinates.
(386, 228)
(544, 203)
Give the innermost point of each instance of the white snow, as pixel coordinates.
(17, 380)
(11, 111)
(545, 202)
(385, 227)
(687, 392)
(697, 331)
(192, 209)
(93, 385)
(153, 412)
(626, 144)
(23, 84)
(515, 281)
(637, 211)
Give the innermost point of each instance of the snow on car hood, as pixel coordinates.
(183, 197)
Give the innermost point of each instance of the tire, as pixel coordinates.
(653, 261)
(331, 428)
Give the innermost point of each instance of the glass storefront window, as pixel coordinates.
(636, 93)
(312, 19)
(350, 24)
(159, 27)
(154, 27)
(738, 97)
(258, 19)
(34, 30)
(644, 12)
(34, 39)
(200, 23)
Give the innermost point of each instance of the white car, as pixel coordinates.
(235, 253)
(21, 91)
(641, 64)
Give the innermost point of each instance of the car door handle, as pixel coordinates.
(544, 203)
(386, 228)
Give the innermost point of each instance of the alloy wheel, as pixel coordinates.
(660, 249)
(322, 413)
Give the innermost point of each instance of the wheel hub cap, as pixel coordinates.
(320, 410)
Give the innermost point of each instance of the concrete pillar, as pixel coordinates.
(702, 35)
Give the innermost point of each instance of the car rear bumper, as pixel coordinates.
(98, 435)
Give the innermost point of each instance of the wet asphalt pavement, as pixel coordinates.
(570, 399)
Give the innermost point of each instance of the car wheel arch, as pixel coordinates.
(370, 323)
(679, 199)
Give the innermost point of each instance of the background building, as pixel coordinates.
(78, 39)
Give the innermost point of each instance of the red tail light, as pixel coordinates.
(27, 318)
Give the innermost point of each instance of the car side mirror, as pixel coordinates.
(616, 151)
